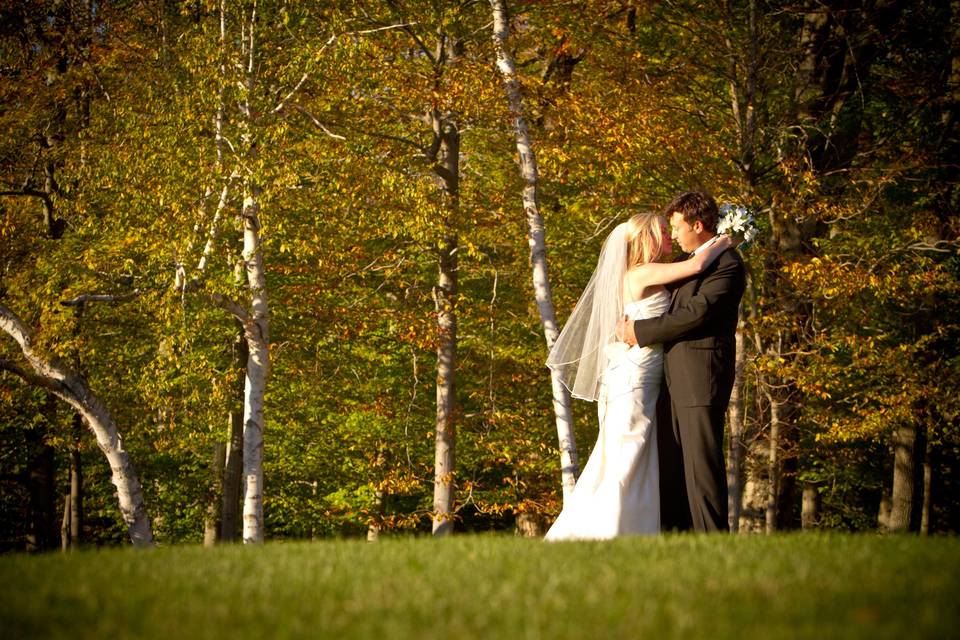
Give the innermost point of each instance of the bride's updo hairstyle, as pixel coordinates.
(644, 239)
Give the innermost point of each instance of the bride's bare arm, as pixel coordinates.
(654, 273)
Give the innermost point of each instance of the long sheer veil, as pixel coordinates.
(578, 354)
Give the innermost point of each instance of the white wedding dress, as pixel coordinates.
(618, 491)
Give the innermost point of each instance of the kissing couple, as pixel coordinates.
(652, 342)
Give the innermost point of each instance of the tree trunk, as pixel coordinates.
(927, 498)
(919, 459)
(773, 465)
(373, 528)
(41, 483)
(257, 327)
(753, 463)
(444, 295)
(211, 521)
(76, 484)
(258, 364)
(569, 465)
(743, 64)
(743, 97)
(65, 524)
(54, 376)
(754, 496)
(233, 467)
(810, 513)
(883, 512)
(904, 441)
(530, 525)
(232, 479)
(735, 419)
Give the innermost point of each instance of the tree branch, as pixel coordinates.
(373, 134)
(31, 378)
(230, 306)
(406, 27)
(83, 299)
(26, 192)
(283, 103)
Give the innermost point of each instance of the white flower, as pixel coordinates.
(736, 220)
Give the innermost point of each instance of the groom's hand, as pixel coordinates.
(625, 331)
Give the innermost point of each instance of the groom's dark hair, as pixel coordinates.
(695, 205)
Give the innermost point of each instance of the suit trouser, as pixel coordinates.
(700, 433)
(692, 469)
(674, 509)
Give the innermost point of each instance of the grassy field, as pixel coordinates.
(792, 586)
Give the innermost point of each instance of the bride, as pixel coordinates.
(618, 491)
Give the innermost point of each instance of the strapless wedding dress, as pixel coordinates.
(618, 491)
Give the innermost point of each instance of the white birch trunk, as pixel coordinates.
(257, 327)
(253, 440)
(257, 333)
(72, 388)
(569, 465)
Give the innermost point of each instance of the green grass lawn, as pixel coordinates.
(810, 586)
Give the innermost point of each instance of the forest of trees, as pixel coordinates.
(290, 269)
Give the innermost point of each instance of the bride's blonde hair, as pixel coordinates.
(644, 238)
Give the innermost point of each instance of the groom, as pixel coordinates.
(698, 337)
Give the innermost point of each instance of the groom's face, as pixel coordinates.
(685, 234)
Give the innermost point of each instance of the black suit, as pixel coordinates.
(698, 337)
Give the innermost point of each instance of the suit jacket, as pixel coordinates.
(698, 333)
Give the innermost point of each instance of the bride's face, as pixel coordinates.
(666, 242)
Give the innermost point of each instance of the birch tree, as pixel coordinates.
(253, 312)
(257, 320)
(53, 375)
(569, 466)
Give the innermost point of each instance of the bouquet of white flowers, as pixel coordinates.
(737, 222)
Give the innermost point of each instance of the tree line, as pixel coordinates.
(294, 267)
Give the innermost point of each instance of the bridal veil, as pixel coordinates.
(578, 355)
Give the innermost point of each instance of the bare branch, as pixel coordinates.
(283, 103)
(85, 298)
(306, 75)
(214, 230)
(940, 246)
(373, 134)
(318, 124)
(402, 25)
(407, 27)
